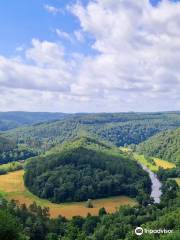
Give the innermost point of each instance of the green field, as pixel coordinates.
(153, 167)
(143, 160)
(9, 166)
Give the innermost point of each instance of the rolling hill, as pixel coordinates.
(116, 128)
(82, 169)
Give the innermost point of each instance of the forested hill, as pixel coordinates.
(165, 145)
(83, 169)
(116, 128)
(10, 120)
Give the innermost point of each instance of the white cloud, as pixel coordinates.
(52, 9)
(136, 67)
(138, 50)
(46, 53)
(44, 68)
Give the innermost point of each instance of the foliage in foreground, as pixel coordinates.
(20, 222)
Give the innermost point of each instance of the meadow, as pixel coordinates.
(12, 187)
(152, 166)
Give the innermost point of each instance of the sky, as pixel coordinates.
(89, 55)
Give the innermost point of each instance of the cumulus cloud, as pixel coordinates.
(43, 68)
(138, 48)
(135, 68)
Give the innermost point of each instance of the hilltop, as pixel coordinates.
(82, 169)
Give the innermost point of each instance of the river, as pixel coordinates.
(155, 185)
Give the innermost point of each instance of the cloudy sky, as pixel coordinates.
(89, 55)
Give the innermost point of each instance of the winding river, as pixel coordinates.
(156, 185)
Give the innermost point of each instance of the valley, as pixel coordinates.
(90, 120)
(12, 187)
(85, 174)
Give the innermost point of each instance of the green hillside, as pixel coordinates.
(83, 169)
(117, 128)
(165, 145)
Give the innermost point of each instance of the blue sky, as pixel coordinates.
(20, 22)
(89, 55)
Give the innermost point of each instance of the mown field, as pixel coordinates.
(164, 164)
(12, 187)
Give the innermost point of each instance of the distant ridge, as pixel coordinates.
(13, 119)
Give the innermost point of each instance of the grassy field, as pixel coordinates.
(143, 160)
(153, 167)
(12, 187)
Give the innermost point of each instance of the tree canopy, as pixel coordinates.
(82, 169)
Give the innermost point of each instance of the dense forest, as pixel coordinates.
(165, 145)
(10, 151)
(83, 169)
(116, 128)
(6, 144)
(18, 222)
